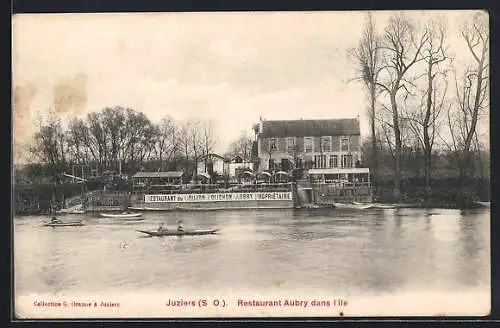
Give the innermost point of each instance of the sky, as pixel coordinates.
(231, 68)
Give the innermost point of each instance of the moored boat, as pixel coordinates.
(384, 206)
(193, 232)
(375, 205)
(123, 215)
(76, 212)
(484, 204)
(77, 209)
(64, 224)
(355, 206)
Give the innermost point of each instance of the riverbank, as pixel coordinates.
(434, 205)
(258, 252)
(446, 197)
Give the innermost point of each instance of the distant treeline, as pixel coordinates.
(123, 137)
(445, 185)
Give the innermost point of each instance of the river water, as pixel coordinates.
(381, 262)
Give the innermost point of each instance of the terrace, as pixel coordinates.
(172, 183)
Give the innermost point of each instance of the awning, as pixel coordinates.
(206, 175)
(266, 173)
(281, 172)
(248, 172)
(356, 170)
(169, 174)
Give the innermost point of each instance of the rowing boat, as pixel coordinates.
(64, 224)
(179, 233)
(374, 205)
(353, 206)
(121, 215)
(77, 209)
(76, 212)
(484, 204)
(384, 206)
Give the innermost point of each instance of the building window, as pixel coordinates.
(347, 161)
(320, 161)
(308, 144)
(334, 161)
(290, 144)
(273, 144)
(326, 143)
(344, 144)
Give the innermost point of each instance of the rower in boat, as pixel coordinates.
(180, 226)
(162, 228)
(54, 219)
(52, 214)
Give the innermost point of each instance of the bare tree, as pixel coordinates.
(164, 140)
(208, 136)
(207, 139)
(402, 47)
(424, 121)
(241, 147)
(185, 145)
(195, 138)
(113, 120)
(98, 137)
(111, 135)
(175, 140)
(478, 150)
(471, 95)
(50, 145)
(367, 56)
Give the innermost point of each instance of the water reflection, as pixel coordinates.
(471, 268)
(53, 265)
(328, 250)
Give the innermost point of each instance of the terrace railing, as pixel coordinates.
(341, 192)
(214, 188)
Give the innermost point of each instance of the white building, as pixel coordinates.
(212, 164)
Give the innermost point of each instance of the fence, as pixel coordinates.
(214, 188)
(109, 199)
(341, 192)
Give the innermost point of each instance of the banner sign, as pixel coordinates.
(219, 197)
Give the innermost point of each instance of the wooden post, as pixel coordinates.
(370, 191)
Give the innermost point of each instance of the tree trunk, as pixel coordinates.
(397, 148)
(472, 131)
(427, 143)
(464, 199)
(374, 140)
(427, 175)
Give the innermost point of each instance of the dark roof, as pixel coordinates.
(237, 159)
(310, 128)
(170, 174)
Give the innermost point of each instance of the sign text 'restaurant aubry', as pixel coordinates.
(217, 197)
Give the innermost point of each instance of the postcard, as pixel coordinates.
(251, 164)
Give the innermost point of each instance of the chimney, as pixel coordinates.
(261, 124)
